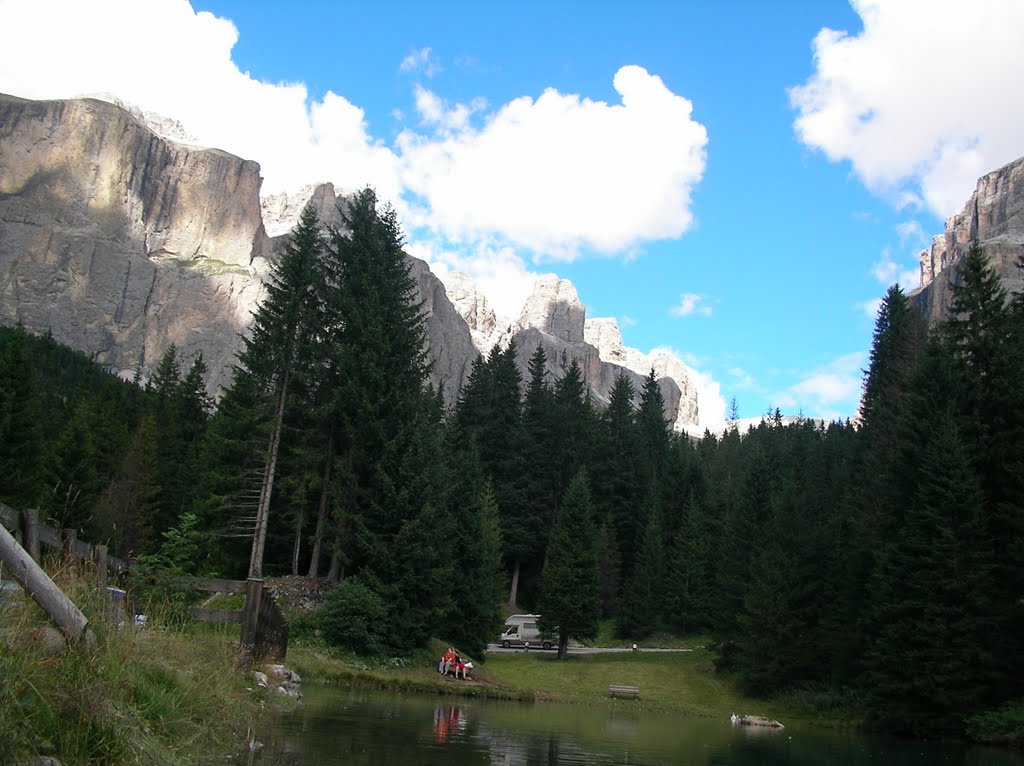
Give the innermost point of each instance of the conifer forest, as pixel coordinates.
(881, 561)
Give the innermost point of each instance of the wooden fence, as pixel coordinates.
(265, 635)
(33, 537)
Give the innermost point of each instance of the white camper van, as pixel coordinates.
(522, 629)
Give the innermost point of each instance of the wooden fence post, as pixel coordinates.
(67, 617)
(68, 539)
(250, 618)
(101, 567)
(30, 527)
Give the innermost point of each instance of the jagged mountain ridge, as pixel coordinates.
(121, 242)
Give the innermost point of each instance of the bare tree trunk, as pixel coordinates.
(514, 590)
(321, 518)
(334, 573)
(297, 545)
(259, 538)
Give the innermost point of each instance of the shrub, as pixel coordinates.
(1004, 726)
(356, 618)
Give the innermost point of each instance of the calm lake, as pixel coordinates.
(346, 726)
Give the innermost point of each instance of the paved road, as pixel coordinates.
(496, 649)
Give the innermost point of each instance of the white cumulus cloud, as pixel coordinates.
(562, 172)
(918, 100)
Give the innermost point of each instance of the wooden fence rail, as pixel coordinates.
(33, 536)
(269, 634)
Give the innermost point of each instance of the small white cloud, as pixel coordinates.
(743, 379)
(827, 391)
(627, 321)
(870, 308)
(435, 112)
(690, 303)
(875, 98)
(911, 232)
(888, 272)
(421, 61)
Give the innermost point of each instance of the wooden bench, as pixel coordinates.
(617, 690)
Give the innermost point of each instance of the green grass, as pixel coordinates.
(164, 695)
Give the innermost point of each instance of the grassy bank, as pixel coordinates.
(681, 682)
(163, 695)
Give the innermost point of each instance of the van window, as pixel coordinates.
(530, 626)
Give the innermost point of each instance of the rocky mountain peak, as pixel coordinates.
(554, 308)
(281, 211)
(474, 308)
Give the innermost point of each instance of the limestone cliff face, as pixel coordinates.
(121, 243)
(994, 216)
(474, 308)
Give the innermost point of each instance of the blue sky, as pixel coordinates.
(737, 181)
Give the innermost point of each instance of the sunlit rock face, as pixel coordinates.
(120, 242)
(994, 217)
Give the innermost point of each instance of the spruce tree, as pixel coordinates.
(616, 470)
(688, 579)
(570, 600)
(983, 336)
(523, 525)
(929, 664)
(22, 449)
(643, 609)
(282, 332)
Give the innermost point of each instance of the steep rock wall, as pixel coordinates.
(994, 216)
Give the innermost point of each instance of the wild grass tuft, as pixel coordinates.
(150, 695)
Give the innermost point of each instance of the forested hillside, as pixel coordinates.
(882, 562)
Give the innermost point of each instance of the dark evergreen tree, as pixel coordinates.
(524, 525)
(127, 507)
(570, 600)
(876, 493)
(393, 498)
(76, 476)
(983, 335)
(283, 330)
(643, 609)
(928, 665)
(22, 449)
(615, 466)
(688, 580)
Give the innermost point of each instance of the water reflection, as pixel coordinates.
(447, 719)
(338, 726)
